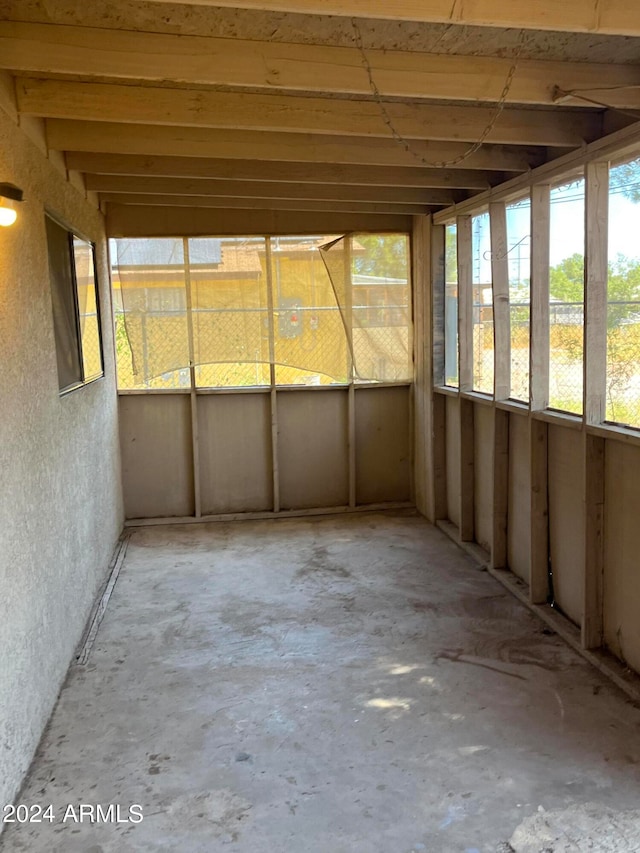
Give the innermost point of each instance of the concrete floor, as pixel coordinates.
(335, 685)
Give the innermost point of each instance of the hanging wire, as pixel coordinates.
(401, 140)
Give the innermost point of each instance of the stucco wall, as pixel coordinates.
(60, 505)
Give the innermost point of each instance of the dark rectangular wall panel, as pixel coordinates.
(312, 448)
(519, 510)
(157, 468)
(235, 453)
(566, 518)
(383, 447)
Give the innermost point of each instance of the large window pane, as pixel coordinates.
(519, 248)
(381, 320)
(310, 341)
(311, 311)
(483, 354)
(451, 307)
(87, 308)
(623, 296)
(150, 305)
(230, 315)
(566, 306)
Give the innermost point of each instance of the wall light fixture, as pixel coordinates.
(10, 195)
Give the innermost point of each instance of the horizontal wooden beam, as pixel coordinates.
(274, 171)
(68, 135)
(240, 110)
(266, 190)
(623, 143)
(617, 17)
(93, 52)
(344, 206)
(132, 220)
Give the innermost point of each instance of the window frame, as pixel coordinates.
(72, 235)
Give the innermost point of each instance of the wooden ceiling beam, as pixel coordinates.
(165, 187)
(106, 137)
(132, 220)
(108, 53)
(615, 17)
(343, 206)
(275, 171)
(239, 110)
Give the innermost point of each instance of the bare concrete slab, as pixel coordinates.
(335, 685)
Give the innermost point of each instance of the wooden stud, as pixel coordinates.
(438, 302)
(467, 479)
(595, 297)
(465, 303)
(272, 380)
(439, 451)
(500, 488)
(539, 315)
(592, 620)
(501, 312)
(539, 577)
(195, 440)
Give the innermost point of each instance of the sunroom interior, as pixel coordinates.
(294, 259)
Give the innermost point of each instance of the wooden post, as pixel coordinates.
(467, 497)
(592, 619)
(501, 315)
(595, 297)
(438, 236)
(465, 303)
(500, 488)
(539, 578)
(539, 315)
(275, 470)
(195, 440)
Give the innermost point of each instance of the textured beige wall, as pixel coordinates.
(60, 504)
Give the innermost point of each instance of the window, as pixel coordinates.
(252, 311)
(483, 344)
(566, 297)
(518, 247)
(76, 316)
(451, 307)
(623, 296)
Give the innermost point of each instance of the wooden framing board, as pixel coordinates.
(113, 138)
(615, 145)
(465, 303)
(195, 438)
(467, 476)
(139, 221)
(255, 111)
(501, 311)
(190, 201)
(164, 186)
(500, 488)
(539, 577)
(593, 615)
(595, 296)
(422, 443)
(277, 170)
(617, 17)
(539, 294)
(438, 287)
(122, 54)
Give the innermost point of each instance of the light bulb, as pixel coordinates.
(8, 215)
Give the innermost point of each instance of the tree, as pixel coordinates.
(385, 255)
